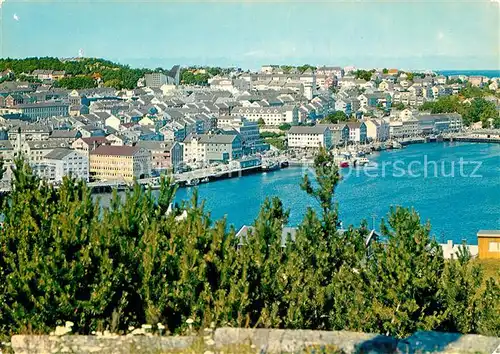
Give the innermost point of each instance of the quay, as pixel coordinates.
(193, 178)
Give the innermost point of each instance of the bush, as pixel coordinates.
(138, 261)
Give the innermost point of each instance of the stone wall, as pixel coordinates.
(262, 340)
(98, 344)
(276, 341)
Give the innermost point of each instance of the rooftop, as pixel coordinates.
(317, 129)
(488, 233)
(58, 153)
(116, 150)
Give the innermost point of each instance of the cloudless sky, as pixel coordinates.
(412, 34)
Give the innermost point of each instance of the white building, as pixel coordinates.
(66, 162)
(404, 128)
(272, 116)
(113, 122)
(309, 137)
(357, 132)
(211, 147)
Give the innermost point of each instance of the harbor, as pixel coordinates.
(348, 156)
(456, 214)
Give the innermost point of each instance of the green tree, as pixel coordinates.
(406, 297)
(336, 117)
(285, 126)
(363, 74)
(261, 122)
(77, 82)
(399, 106)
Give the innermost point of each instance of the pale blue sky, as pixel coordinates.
(411, 35)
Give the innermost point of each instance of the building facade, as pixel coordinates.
(164, 155)
(34, 111)
(66, 162)
(272, 116)
(489, 244)
(357, 132)
(211, 148)
(310, 137)
(120, 163)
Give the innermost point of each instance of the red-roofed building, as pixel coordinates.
(86, 145)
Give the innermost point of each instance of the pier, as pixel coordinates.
(185, 179)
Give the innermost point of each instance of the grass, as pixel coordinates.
(491, 268)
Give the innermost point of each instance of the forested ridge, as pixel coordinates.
(62, 258)
(81, 73)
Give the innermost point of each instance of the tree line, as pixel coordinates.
(144, 259)
(81, 73)
(470, 103)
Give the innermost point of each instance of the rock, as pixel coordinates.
(61, 331)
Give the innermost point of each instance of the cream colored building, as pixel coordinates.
(377, 129)
(211, 147)
(120, 163)
(309, 137)
(404, 128)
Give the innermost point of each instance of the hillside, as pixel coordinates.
(79, 73)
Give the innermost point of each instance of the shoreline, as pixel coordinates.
(211, 177)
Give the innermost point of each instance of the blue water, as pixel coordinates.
(487, 73)
(457, 207)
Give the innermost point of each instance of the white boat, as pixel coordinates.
(192, 182)
(205, 180)
(270, 165)
(396, 145)
(361, 161)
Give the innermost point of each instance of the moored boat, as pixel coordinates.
(361, 161)
(270, 166)
(192, 182)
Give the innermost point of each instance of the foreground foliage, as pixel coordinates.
(63, 258)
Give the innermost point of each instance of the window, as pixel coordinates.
(494, 246)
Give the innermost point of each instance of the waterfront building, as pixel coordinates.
(440, 123)
(164, 155)
(489, 244)
(47, 109)
(377, 129)
(401, 128)
(357, 132)
(310, 137)
(340, 133)
(272, 116)
(212, 147)
(248, 131)
(66, 162)
(120, 163)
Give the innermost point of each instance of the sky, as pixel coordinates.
(421, 34)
